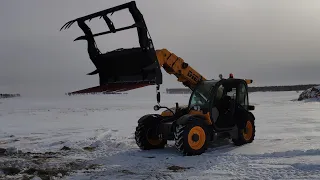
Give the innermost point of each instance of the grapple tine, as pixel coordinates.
(67, 25)
(80, 38)
(62, 27)
(70, 24)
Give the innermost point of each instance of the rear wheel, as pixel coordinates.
(247, 134)
(146, 135)
(191, 138)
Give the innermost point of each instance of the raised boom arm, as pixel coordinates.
(175, 65)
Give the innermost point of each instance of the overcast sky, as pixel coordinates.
(273, 42)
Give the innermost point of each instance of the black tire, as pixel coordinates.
(246, 135)
(181, 137)
(143, 139)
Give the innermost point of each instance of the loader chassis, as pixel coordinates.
(193, 127)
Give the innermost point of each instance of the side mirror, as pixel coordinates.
(251, 108)
(156, 107)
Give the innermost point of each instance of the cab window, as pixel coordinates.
(243, 95)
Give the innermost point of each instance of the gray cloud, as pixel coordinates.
(272, 42)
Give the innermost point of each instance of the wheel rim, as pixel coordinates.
(153, 142)
(196, 138)
(247, 134)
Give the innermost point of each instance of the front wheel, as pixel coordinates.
(191, 138)
(247, 134)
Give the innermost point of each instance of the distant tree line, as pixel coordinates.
(252, 89)
(9, 95)
(281, 88)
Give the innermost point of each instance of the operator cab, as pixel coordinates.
(230, 100)
(226, 100)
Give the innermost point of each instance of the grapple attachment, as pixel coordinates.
(121, 69)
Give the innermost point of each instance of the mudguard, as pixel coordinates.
(150, 118)
(137, 65)
(242, 117)
(189, 118)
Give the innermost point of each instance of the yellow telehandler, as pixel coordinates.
(217, 108)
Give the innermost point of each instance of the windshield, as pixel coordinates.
(200, 96)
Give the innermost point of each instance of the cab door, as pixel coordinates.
(242, 95)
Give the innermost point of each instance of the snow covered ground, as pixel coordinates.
(91, 137)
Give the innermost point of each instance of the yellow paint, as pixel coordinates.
(166, 113)
(249, 131)
(172, 64)
(206, 116)
(248, 81)
(196, 145)
(154, 142)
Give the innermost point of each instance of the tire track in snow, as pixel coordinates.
(213, 165)
(218, 162)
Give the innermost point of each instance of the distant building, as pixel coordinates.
(178, 91)
(9, 95)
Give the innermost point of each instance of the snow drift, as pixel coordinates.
(311, 93)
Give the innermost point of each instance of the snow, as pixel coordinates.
(311, 94)
(287, 143)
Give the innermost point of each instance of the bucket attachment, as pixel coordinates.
(121, 68)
